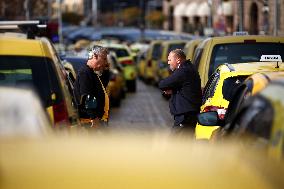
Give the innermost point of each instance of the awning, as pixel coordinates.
(191, 9)
(179, 10)
(203, 9)
(226, 9)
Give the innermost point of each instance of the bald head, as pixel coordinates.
(175, 58)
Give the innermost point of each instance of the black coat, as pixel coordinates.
(185, 84)
(87, 82)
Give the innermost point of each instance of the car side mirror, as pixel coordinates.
(208, 118)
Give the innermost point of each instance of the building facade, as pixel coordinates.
(224, 16)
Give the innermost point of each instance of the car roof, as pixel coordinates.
(258, 38)
(251, 67)
(24, 47)
(241, 39)
(154, 162)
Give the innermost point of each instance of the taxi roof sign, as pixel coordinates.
(240, 33)
(270, 58)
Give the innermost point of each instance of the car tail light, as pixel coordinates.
(220, 110)
(60, 113)
(149, 64)
(127, 62)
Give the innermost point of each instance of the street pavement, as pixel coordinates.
(146, 111)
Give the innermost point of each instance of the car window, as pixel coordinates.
(231, 85)
(175, 46)
(32, 72)
(197, 57)
(157, 51)
(120, 52)
(76, 63)
(242, 52)
(210, 87)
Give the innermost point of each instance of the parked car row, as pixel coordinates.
(152, 64)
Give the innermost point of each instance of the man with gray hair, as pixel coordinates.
(184, 86)
(92, 79)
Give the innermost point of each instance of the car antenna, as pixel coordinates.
(277, 62)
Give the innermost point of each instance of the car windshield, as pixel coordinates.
(31, 72)
(120, 52)
(242, 53)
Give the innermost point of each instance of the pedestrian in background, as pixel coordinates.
(184, 86)
(92, 79)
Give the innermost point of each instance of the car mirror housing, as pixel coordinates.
(210, 118)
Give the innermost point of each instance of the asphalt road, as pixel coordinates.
(144, 110)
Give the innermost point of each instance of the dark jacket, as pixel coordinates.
(186, 89)
(87, 82)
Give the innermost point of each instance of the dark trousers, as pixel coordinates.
(187, 125)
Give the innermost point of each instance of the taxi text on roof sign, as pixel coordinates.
(270, 58)
(240, 33)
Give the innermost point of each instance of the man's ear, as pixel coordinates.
(178, 60)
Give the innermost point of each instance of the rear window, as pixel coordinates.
(197, 57)
(120, 52)
(242, 53)
(157, 51)
(231, 85)
(175, 46)
(32, 72)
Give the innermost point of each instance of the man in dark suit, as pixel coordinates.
(184, 86)
(92, 79)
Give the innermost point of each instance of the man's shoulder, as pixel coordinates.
(84, 69)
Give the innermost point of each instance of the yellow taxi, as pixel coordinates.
(250, 87)
(141, 64)
(190, 47)
(126, 59)
(215, 51)
(221, 87)
(33, 63)
(166, 48)
(258, 122)
(116, 88)
(105, 162)
(261, 118)
(151, 62)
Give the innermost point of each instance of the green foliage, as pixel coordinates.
(155, 19)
